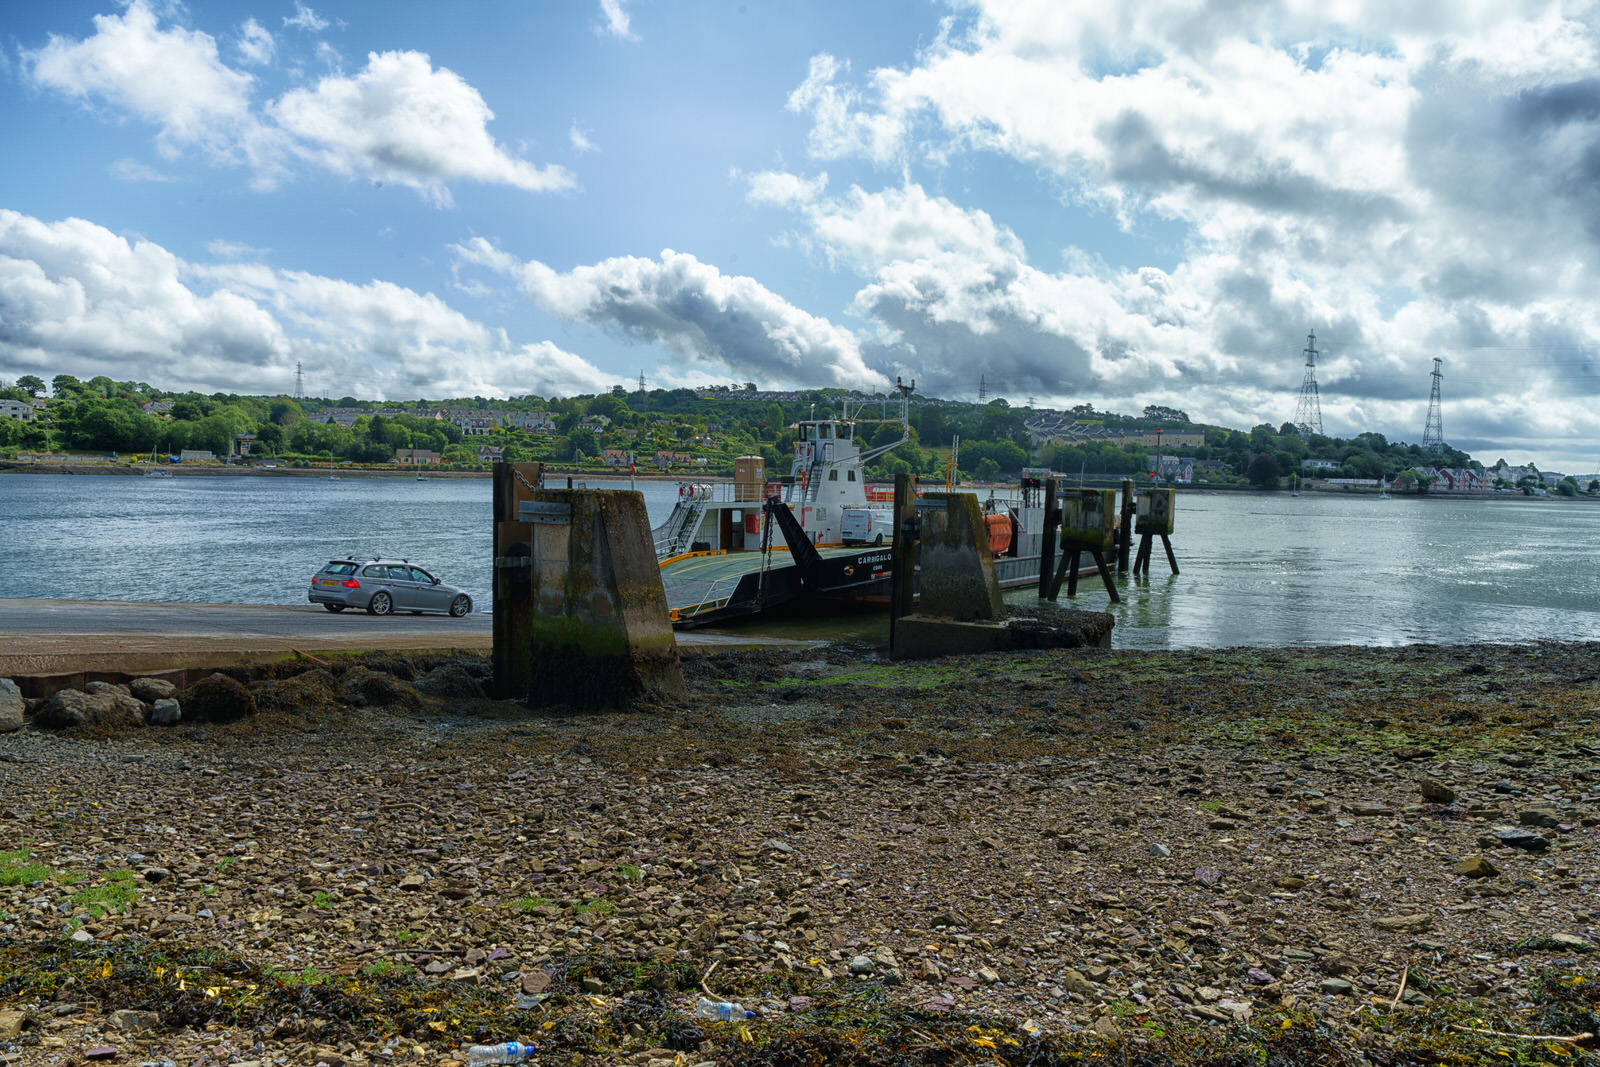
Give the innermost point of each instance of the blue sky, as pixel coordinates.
(1146, 202)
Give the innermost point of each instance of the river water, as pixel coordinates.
(1257, 569)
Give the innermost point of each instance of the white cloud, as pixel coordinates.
(729, 326)
(131, 170)
(1408, 179)
(616, 21)
(398, 120)
(304, 18)
(256, 44)
(402, 120)
(580, 140)
(172, 78)
(225, 250)
(76, 298)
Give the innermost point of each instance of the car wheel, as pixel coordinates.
(381, 604)
(335, 608)
(879, 541)
(460, 606)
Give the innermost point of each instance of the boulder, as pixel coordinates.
(96, 688)
(165, 712)
(450, 681)
(71, 707)
(218, 698)
(11, 707)
(151, 690)
(1476, 867)
(363, 688)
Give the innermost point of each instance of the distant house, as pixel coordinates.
(1319, 464)
(157, 407)
(669, 459)
(1460, 480)
(16, 409)
(541, 422)
(243, 444)
(415, 457)
(616, 457)
(595, 423)
(489, 453)
(1178, 468)
(196, 455)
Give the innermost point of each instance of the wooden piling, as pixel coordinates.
(1047, 543)
(903, 555)
(514, 609)
(1125, 526)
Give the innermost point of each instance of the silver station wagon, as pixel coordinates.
(384, 586)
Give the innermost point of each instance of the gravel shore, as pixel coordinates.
(1334, 855)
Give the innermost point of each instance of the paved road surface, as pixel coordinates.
(62, 636)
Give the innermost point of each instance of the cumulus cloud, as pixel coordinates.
(579, 138)
(171, 78)
(727, 325)
(76, 297)
(399, 119)
(402, 120)
(615, 21)
(1410, 181)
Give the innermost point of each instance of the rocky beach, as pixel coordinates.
(1309, 856)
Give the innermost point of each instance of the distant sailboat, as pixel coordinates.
(332, 477)
(1383, 489)
(153, 471)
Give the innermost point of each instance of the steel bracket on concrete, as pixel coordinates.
(545, 512)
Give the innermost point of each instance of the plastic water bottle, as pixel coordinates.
(505, 1052)
(721, 1010)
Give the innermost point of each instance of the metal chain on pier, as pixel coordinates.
(524, 481)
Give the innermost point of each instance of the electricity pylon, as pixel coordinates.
(1308, 413)
(1433, 432)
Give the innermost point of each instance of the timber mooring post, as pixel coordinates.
(903, 555)
(512, 577)
(1125, 526)
(1157, 508)
(1086, 525)
(1047, 541)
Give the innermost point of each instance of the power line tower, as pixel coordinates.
(299, 381)
(641, 381)
(1433, 432)
(1308, 413)
(983, 390)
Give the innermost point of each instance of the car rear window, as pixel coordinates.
(335, 567)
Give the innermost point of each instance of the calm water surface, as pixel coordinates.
(1257, 569)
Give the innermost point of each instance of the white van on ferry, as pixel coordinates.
(866, 526)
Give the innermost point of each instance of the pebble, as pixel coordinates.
(1437, 792)
(861, 965)
(1337, 987)
(1159, 850)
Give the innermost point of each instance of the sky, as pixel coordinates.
(1068, 201)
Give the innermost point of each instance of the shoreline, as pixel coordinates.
(430, 474)
(1202, 856)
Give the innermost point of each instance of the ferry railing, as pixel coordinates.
(710, 598)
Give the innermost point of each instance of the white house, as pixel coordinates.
(16, 409)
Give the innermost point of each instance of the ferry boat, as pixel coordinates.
(733, 550)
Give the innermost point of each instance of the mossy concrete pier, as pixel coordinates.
(585, 615)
